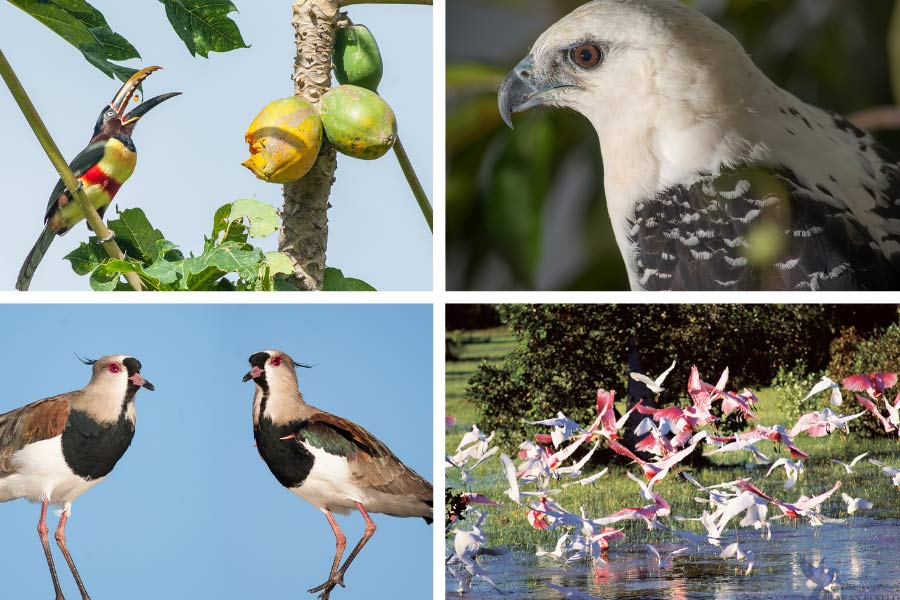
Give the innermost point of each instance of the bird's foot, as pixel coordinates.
(109, 238)
(325, 588)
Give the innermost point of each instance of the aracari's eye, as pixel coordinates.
(276, 362)
(114, 367)
(110, 114)
(586, 56)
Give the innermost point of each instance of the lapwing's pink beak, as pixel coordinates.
(139, 381)
(253, 374)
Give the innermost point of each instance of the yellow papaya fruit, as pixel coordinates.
(358, 122)
(284, 140)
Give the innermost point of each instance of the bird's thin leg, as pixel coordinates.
(340, 543)
(61, 540)
(43, 530)
(338, 578)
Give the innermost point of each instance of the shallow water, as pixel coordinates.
(866, 554)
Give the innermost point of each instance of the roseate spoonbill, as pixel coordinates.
(870, 406)
(873, 384)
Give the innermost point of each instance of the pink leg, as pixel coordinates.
(338, 578)
(61, 540)
(340, 541)
(43, 530)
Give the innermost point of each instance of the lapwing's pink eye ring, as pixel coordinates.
(276, 362)
(114, 367)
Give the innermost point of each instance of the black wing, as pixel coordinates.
(85, 159)
(755, 228)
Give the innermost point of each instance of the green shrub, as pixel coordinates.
(565, 352)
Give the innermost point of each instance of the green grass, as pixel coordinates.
(506, 525)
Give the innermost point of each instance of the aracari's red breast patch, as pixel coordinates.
(95, 176)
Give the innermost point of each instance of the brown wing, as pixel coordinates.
(37, 421)
(371, 462)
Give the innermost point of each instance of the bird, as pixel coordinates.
(823, 384)
(664, 562)
(715, 177)
(873, 384)
(332, 463)
(849, 468)
(101, 169)
(855, 504)
(735, 551)
(55, 449)
(654, 385)
(792, 470)
(820, 576)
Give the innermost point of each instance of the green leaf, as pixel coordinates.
(221, 220)
(86, 28)
(262, 217)
(229, 257)
(204, 26)
(135, 235)
(279, 262)
(336, 282)
(166, 272)
(86, 257)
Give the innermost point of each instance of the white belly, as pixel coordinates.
(330, 485)
(41, 472)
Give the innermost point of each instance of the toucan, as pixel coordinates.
(101, 169)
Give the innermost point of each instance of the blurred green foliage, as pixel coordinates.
(566, 352)
(508, 192)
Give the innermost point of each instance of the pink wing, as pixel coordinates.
(817, 500)
(857, 383)
(888, 379)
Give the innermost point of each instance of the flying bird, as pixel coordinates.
(849, 468)
(826, 384)
(715, 177)
(55, 449)
(101, 169)
(332, 463)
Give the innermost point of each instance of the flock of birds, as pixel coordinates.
(547, 466)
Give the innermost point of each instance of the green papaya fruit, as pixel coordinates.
(357, 60)
(358, 122)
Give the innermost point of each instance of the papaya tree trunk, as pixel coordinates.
(304, 227)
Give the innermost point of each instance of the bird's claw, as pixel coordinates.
(325, 588)
(109, 238)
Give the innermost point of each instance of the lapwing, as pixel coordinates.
(330, 462)
(55, 449)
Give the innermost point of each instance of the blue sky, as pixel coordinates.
(191, 147)
(191, 511)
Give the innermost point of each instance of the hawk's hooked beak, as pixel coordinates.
(519, 92)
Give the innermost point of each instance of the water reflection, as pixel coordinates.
(865, 555)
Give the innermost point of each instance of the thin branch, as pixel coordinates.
(43, 135)
(344, 3)
(414, 184)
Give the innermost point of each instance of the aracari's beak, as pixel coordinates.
(120, 102)
(138, 380)
(519, 92)
(253, 374)
(144, 107)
